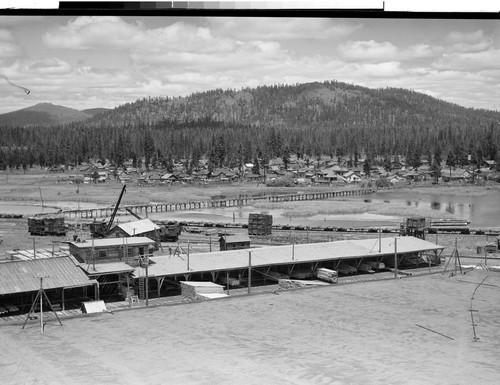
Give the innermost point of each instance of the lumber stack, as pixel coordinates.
(416, 222)
(46, 225)
(230, 281)
(260, 224)
(26, 255)
(451, 225)
(327, 275)
(201, 290)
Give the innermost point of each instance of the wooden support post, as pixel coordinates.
(395, 257)
(249, 272)
(147, 280)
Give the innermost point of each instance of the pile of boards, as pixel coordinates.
(260, 224)
(46, 225)
(201, 290)
(327, 275)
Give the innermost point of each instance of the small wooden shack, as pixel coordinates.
(234, 242)
(126, 249)
(143, 228)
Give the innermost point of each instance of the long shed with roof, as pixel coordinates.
(62, 278)
(282, 261)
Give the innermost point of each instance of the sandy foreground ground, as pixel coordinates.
(364, 333)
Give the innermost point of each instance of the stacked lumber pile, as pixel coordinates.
(302, 273)
(327, 275)
(260, 224)
(201, 290)
(277, 275)
(230, 281)
(288, 284)
(451, 225)
(26, 255)
(366, 268)
(416, 222)
(46, 225)
(376, 265)
(346, 269)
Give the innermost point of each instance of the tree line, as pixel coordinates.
(230, 128)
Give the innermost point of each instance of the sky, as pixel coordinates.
(104, 61)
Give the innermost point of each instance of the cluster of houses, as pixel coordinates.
(302, 172)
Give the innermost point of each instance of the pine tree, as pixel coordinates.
(256, 166)
(367, 165)
(149, 148)
(286, 157)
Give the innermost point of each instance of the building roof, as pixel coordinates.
(279, 255)
(34, 254)
(236, 238)
(106, 242)
(106, 268)
(21, 276)
(138, 227)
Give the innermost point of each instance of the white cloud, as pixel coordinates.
(468, 41)
(111, 32)
(469, 62)
(50, 65)
(88, 32)
(368, 51)
(281, 28)
(8, 48)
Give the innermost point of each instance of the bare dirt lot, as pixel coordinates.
(407, 331)
(414, 330)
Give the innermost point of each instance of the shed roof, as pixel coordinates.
(138, 227)
(106, 242)
(21, 276)
(236, 238)
(106, 268)
(279, 255)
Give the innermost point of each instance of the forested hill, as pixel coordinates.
(285, 106)
(309, 120)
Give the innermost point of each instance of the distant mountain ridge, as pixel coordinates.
(47, 114)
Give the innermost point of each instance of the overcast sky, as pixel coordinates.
(86, 62)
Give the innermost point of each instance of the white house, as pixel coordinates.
(351, 177)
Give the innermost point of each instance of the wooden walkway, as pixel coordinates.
(228, 202)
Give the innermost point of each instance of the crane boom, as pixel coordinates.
(134, 214)
(111, 220)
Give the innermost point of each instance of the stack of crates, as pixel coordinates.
(260, 224)
(46, 225)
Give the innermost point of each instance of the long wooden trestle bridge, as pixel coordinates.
(213, 203)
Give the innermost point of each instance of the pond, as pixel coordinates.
(482, 211)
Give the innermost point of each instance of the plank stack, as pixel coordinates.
(46, 225)
(201, 290)
(327, 275)
(260, 224)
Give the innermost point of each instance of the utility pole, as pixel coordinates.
(39, 296)
(249, 271)
(147, 280)
(395, 257)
